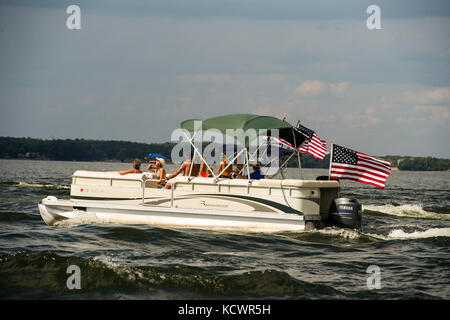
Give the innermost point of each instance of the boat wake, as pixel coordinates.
(405, 210)
(395, 234)
(429, 233)
(22, 184)
(85, 218)
(46, 186)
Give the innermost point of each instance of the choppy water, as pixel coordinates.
(406, 233)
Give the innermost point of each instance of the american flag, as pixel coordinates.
(357, 166)
(314, 146)
(282, 142)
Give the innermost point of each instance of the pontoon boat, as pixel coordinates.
(266, 205)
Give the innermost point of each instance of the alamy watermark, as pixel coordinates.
(73, 22)
(74, 280)
(373, 22)
(237, 145)
(374, 280)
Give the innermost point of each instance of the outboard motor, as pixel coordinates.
(345, 213)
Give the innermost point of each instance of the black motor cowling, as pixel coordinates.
(345, 213)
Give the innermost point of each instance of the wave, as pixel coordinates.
(34, 185)
(46, 186)
(430, 233)
(397, 233)
(104, 276)
(347, 234)
(406, 210)
(85, 218)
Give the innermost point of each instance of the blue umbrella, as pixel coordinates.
(155, 155)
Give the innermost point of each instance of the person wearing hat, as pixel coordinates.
(158, 167)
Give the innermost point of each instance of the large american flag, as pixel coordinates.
(314, 146)
(357, 166)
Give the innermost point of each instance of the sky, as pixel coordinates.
(136, 69)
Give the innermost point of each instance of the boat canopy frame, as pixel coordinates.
(245, 122)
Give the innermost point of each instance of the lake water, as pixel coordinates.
(405, 233)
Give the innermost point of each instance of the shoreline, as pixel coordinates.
(393, 169)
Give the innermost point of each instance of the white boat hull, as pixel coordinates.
(54, 211)
(238, 204)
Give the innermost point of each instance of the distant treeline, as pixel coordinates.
(99, 150)
(424, 164)
(408, 163)
(310, 162)
(78, 149)
(405, 163)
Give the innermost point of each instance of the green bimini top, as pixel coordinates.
(246, 123)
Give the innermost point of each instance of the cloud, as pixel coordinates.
(366, 119)
(339, 88)
(267, 110)
(439, 115)
(160, 63)
(310, 88)
(437, 95)
(317, 88)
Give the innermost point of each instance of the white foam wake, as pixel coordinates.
(37, 185)
(407, 210)
(430, 233)
(80, 219)
(395, 234)
(348, 234)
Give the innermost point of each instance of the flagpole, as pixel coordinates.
(298, 156)
(331, 159)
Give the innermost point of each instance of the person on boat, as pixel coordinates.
(196, 164)
(205, 172)
(158, 167)
(256, 174)
(237, 173)
(152, 164)
(136, 168)
(184, 168)
(228, 168)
